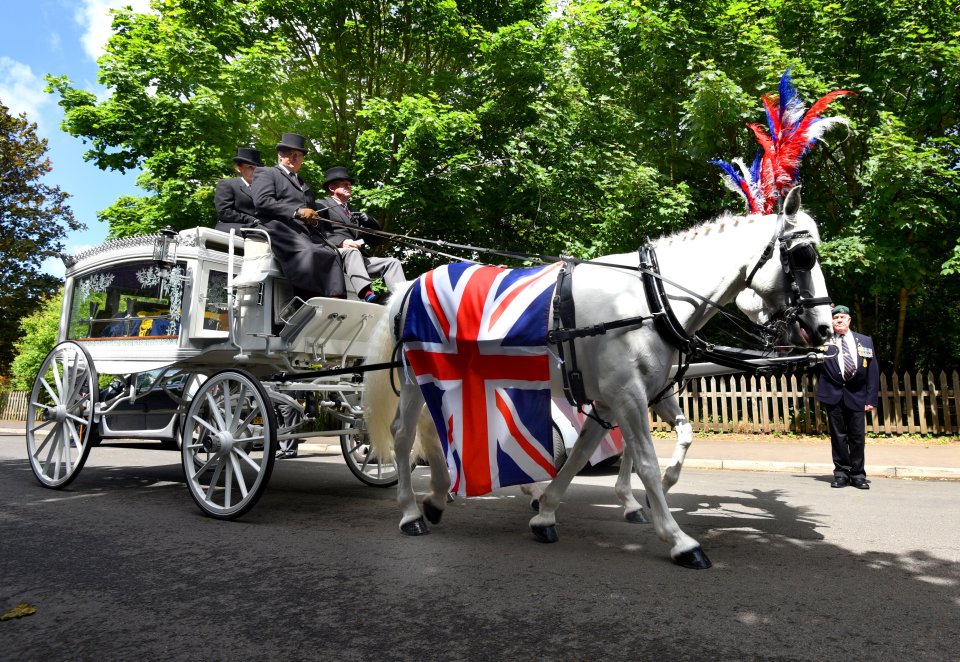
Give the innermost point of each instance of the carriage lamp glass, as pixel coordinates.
(165, 246)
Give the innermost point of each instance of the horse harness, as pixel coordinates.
(798, 257)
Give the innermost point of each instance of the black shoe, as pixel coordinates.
(381, 298)
(860, 483)
(840, 481)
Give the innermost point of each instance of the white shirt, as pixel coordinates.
(851, 347)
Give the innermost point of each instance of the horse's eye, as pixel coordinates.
(803, 257)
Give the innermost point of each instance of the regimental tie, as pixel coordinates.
(849, 367)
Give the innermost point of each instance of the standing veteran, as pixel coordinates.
(849, 386)
(234, 196)
(287, 208)
(346, 235)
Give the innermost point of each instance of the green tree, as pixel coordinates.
(34, 219)
(586, 131)
(37, 336)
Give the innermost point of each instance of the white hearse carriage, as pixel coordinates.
(206, 350)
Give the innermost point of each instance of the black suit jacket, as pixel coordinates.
(305, 256)
(277, 196)
(860, 390)
(234, 202)
(336, 234)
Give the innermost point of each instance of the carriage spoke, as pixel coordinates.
(227, 483)
(197, 419)
(54, 440)
(76, 419)
(39, 449)
(246, 458)
(205, 467)
(248, 419)
(239, 474)
(57, 380)
(214, 480)
(54, 397)
(66, 457)
(229, 411)
(216, 412)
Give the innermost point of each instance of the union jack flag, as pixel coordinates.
(476, 339)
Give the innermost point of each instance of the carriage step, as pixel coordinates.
(298, 321)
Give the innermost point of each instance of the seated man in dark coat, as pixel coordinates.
(286, 207)
(349, 239)
(234, 196)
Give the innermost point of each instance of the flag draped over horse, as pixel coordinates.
(476, 338)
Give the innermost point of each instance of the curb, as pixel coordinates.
(948, 473)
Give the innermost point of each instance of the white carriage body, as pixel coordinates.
(135, 314)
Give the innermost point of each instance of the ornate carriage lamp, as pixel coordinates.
(165, 249)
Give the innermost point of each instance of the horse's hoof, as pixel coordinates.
(432, 513)
(415, 527)
(545, 533)
(694, 559)
(636, 516)
(535, 504)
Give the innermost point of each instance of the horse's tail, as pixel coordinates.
(379, 398)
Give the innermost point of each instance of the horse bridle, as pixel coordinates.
(798, 257)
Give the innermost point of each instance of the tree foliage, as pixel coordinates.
(584, 131)
(34, 218)
(36, 337)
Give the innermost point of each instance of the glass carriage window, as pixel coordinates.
(215, 302)
(135, 300)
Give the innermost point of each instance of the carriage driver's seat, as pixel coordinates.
(259, 266)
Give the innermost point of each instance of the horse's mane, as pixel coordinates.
(718, 223)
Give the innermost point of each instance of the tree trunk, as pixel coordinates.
(901, 324)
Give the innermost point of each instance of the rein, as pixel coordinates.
(665, 321)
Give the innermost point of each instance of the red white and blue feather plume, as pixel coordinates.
(793, 131)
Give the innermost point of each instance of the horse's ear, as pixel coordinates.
(792, 204)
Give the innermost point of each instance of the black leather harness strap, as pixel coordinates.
(564, 318)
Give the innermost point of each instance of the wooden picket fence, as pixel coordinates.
(914, 404)
(13, 405)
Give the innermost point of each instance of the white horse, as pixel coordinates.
(731, 258)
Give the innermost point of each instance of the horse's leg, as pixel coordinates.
(668, 409)
(534, 491)
(404, 434)
(432, 450)
(544, 523)
(632, 510)
(635, 424)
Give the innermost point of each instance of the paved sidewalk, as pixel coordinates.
(928, 459)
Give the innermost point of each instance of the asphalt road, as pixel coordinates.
(122, 565)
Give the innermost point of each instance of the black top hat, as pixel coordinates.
(335, 174)
(248, 155)
(293, 141)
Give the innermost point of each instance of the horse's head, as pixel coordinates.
(786, 290)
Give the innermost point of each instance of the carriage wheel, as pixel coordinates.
(364, 465)
(229, 442)
(63, 397)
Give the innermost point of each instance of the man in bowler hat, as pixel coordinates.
(234, 196)
(848, 386)
(287, 208)
(346, 234)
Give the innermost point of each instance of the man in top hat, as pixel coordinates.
(234, 196)
(345, 233)
(848, 386)
(287, 208)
